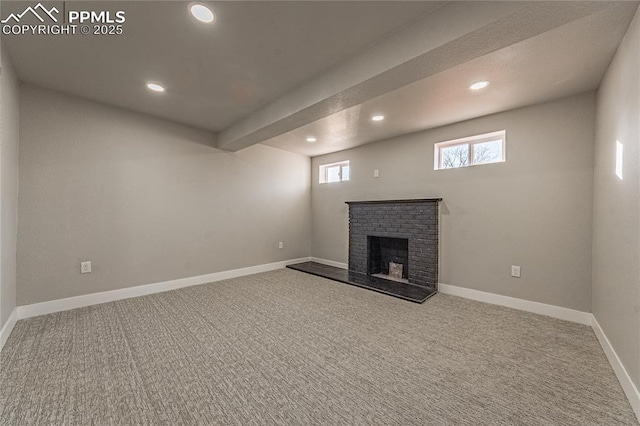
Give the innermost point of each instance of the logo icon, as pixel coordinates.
(34, 12)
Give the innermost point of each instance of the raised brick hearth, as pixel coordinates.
(399, 231)
(413, 220)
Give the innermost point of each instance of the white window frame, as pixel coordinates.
(323, 171)
(471, 141)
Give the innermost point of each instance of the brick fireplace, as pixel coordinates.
(401, 231)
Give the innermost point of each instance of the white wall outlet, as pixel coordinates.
(280, 245)
(85, 267)
(376, 173)
(515, 271)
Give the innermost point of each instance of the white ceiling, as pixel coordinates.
(568, 60)
(277, 72)
(214, 74)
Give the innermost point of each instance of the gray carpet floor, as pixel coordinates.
(288, 348)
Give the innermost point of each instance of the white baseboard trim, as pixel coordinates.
(330, 263)
(8, 327)
(585, 318)
(630, 389)
(521, 304)
(59, 305)
(496, 299)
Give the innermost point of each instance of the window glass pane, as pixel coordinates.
(487, 152)
(345, 172)
(333, 174)
(454, 156)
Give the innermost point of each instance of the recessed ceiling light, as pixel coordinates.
(479, 85)
(155, 87)
(311, 139)
(377, 118)
(202, 13)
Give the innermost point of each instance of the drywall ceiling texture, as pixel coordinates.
(450, 36)
(214, 75)
(145, 200)
(534, 210)
(564, 61)
(268, 68)
(9, 130)
(616, 225)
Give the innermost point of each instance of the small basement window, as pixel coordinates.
(334, 172)
(470, 151)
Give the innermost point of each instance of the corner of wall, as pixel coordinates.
(9, 136)
(615, 286)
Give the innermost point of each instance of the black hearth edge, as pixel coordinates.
(404, 231)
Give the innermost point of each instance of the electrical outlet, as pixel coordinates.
(280, 245)
(376, 173)
(85, 267)
(515, 271)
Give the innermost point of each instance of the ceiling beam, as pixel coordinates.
(449, 36)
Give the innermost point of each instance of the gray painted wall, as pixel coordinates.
(534, 210)
(616, 225)
(9, 108)
(145, 200)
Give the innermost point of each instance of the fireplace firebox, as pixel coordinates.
(386, 251)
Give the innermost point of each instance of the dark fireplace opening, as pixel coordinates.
(381, 251)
